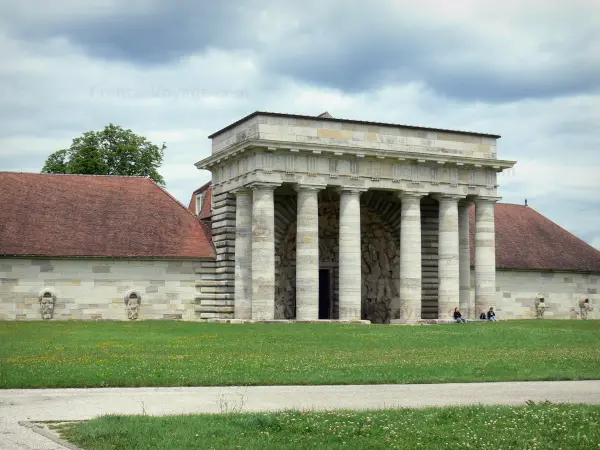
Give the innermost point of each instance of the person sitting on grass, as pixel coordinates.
(491, 315)
(458, 317)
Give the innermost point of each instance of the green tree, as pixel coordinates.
(113, 151)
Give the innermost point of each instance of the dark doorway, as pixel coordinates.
(324, 293)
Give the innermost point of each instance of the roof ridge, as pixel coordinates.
(72, 174)
(514, 204)
(204, 186)
(563, 229)
(207, 233)
(164, 191)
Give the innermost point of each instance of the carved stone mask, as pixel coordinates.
(133, 306)
(47, 306)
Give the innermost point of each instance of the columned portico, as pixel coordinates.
(448, 256)
(485, 254)
(350, 281)
(410, 256)
(263, 252)
(402, 257)
(307, 253)
(465, 304)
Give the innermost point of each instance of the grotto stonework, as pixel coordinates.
(380, 257)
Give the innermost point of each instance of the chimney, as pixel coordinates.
(525, 202)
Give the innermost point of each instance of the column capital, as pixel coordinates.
(309, 187)
(465, 203)
(446, 197)
(242, 191)
(353, 189)
(482, 199)
(408, 195)
(262, 185)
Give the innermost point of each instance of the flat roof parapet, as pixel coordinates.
(326, 117)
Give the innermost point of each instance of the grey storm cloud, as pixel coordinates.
(147, 32)
(354, 47)
(176, 71)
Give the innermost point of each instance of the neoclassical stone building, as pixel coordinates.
(305, 218)
(323, 218)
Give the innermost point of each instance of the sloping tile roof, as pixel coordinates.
(206, 211)
(527, 240)
(87, 215)
(102, 216)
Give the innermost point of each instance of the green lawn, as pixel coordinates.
(166, 353)
(542, 426)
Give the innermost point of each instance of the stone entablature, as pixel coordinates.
(279, 165)
(443, 162)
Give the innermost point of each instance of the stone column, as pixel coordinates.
(410, 256)
(263, 252)
(307, 253)
(350, 279)
(485, 255)
(448, 251)
(464, 255)
(243, 254)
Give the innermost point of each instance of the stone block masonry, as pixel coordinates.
(96, 288)
(517, 289)
(216, 301)
(350, 135)
(429, 260)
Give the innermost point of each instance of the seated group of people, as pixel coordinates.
(490, 316)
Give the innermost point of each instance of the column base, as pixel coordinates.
(236, 321)
(427, 321)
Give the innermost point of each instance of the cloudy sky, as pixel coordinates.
(178, 70)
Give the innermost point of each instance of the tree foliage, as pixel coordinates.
(113, 151)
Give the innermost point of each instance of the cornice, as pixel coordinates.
(357, 152)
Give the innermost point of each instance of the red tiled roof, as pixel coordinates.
(87, 215)
(110, 216)
(527, 240)
(206, 211)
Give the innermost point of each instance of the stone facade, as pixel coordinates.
(103, 289)
(333, 169)
(517, 289)
(311, 218)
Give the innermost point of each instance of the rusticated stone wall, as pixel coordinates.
(380, 218)
(517, 289)
(102, 288)
(429, 258)
(215, 296)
